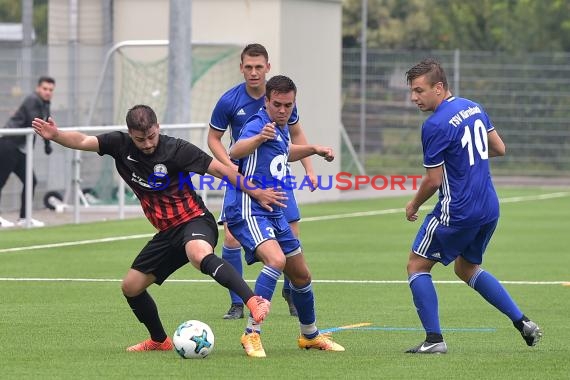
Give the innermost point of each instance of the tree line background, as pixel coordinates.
(490, 25)
(511, 56)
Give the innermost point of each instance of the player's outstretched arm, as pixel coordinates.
(244, 147)
(297, 152)
(298, 138)
(69, 139)
(265, 197)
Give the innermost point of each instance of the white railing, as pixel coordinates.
(78, 196)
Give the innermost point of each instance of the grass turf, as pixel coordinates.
(54, 326)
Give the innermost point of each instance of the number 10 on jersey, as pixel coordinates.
(481, 145)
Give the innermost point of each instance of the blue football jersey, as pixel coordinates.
(455, 136)
(265, 167)
(234, 109)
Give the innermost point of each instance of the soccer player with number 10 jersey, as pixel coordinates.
(458, 139)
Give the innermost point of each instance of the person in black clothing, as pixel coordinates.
(13, 148)
(156, 168)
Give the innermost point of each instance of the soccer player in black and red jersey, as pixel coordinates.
(156, 168)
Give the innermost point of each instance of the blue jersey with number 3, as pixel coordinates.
(266, 167)
(455, 137)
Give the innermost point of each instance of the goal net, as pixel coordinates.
(215, 68)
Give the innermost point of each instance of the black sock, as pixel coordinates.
(434, 338)
(519, 324)
(145, 310)
(226, 275)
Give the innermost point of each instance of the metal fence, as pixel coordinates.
(77, 97)
(526, 96)
(74, 193)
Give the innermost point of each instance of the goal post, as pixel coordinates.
(143, 79)
(136, 80)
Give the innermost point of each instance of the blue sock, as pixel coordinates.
(286, 285)
(304, 301)
(425, 299)
(492, 290)
(266, 282)
(233, 256)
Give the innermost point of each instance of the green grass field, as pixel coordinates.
(62, 315)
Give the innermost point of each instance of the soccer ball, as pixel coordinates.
(193, 340)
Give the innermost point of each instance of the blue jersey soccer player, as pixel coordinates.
(232, 110)
(458, 139)
(263, 150)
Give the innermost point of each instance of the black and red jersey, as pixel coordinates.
(160, 180)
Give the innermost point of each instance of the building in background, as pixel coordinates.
(81, 32)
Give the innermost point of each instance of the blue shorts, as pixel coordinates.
(253, 231)
(441, 243)
(291, 212)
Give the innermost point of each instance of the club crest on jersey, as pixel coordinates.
(159, 179)
(160, 170)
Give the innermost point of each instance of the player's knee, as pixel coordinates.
(464, 271)
(275, 261)
(418, 264)
(231, 242)
(302, 280)
(195, 256)
(462, 276)
(130, 289)
(412, 267)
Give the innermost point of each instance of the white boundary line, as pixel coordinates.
(308, 219)
(374, 282)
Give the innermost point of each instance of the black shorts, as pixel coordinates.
(165, 252)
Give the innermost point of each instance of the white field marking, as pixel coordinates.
(535, 197)
(308, 219)
(73, 243)
(374, 282)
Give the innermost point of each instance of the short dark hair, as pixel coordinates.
(279, 84)
(432, 68)
(255, 50)
(141, 118)
(46, 79)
